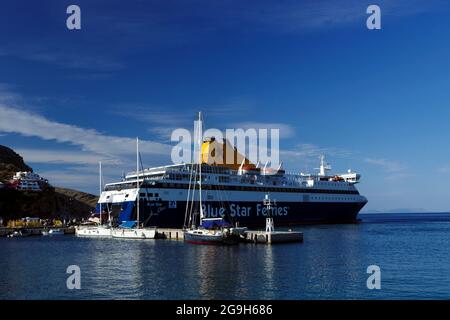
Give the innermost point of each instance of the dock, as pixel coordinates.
(251, 236)
(36, 231)
(170, 234)
(273, 237)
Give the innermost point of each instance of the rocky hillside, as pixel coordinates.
(10, 162)
(52, 202)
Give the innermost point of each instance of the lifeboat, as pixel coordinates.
(336, 178)
(271, 171)
(250, 169)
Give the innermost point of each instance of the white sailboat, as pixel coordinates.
(133, 229)
(209, 230)
(100, 230)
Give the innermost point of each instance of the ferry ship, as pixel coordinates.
(235, 192)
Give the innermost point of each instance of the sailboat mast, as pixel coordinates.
(100, 187)
(200, 138)
(137, 180)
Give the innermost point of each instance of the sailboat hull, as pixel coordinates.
(193, 238)
(133, 233)
(200, 236)
(93, 231)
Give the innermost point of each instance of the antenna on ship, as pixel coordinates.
(324, 167)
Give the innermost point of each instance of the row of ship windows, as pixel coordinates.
(248, 188)
(151, 195)
(331, 198)
(142, 195)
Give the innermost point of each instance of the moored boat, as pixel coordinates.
(209, 231)
(20, 233)
(101, 229)
(56, 232)
(128, 231)
(93, 231)
(299, 198)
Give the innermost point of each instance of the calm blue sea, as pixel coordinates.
(412, 251)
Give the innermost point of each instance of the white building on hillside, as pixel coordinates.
(28, 181)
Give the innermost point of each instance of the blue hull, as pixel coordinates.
(202, 239)
(248, 214)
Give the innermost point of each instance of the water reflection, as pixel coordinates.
(117, 268)
(331, 263)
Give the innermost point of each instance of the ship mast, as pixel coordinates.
(324, 167)
(200, 134)
(100, 187)
(137, 181)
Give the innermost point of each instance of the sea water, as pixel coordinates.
(412, 252)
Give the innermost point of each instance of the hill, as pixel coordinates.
(10, 162)
(51, 202)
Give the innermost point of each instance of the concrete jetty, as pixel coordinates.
(272, 237)
(170, 234)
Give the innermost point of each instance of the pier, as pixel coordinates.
(36, 231)
(170, 234)
(253, 236)
(270, 236)
(273, 237)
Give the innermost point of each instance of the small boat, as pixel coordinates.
(93, 231)
(101, 229)
(127, 230)
(133, 229)
(55, 232)
(214, 231)
(210, 230)
(20, 233)
(203, 236)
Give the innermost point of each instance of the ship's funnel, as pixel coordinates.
(223, 154)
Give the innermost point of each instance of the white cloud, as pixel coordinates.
(311, 152)
(62, 157)
(30, 124)
(162, 123)
(387, 165)
(444, 169)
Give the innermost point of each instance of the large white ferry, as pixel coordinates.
(235, 192)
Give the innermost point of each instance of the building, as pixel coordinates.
(28, 181)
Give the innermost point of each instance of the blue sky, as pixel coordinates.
(373, 101)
